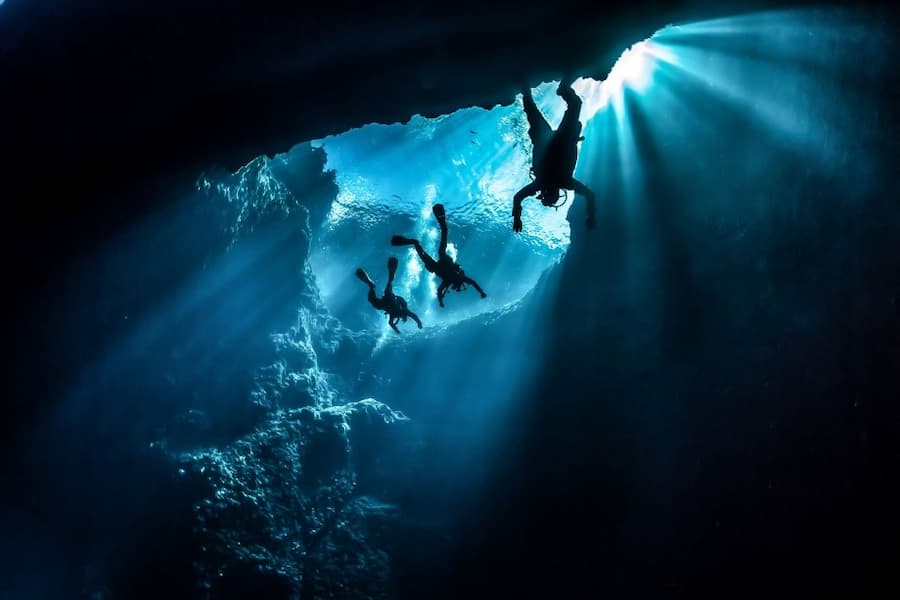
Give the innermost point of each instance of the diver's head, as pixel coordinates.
(549, 196)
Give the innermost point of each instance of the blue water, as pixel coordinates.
(252, 426)
(390, 177)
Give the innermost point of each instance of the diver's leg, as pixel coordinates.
(392, 271)
(364, 277)
(572, 99)
(373, 299)
(441, 216)
(539, 129)
(589, 199)
(430, 263)
(414, 317)
(570, 124)
(474, 284)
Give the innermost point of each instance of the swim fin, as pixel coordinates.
(438, 210)
(399, 240)
(364, 277)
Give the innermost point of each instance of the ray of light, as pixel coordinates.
(742, 83)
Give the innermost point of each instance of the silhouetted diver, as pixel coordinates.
(393, 305)
(451, 274)
(554, 156)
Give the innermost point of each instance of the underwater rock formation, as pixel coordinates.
(289, 509)
(287, 502)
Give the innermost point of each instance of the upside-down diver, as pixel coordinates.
(393, 305)
(451, 274)
(555, 154)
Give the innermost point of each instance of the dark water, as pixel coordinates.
(698, 397)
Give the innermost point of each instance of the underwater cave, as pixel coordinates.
(697, 396)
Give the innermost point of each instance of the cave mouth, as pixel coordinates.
(472, 161)
(389, 178)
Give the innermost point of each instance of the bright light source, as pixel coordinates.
(633, 68)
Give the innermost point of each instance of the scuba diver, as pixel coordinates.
(554, 156)
(393, 305)
(452, 276)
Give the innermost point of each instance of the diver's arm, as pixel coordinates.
(529, 190)
(393, 324)
(474, 284)
(590, 201)
(441, 292)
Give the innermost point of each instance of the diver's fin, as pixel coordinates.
(364, 277)
(438, 210)
(399, 240)
(392, 266)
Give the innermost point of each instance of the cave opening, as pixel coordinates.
(472, 161)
